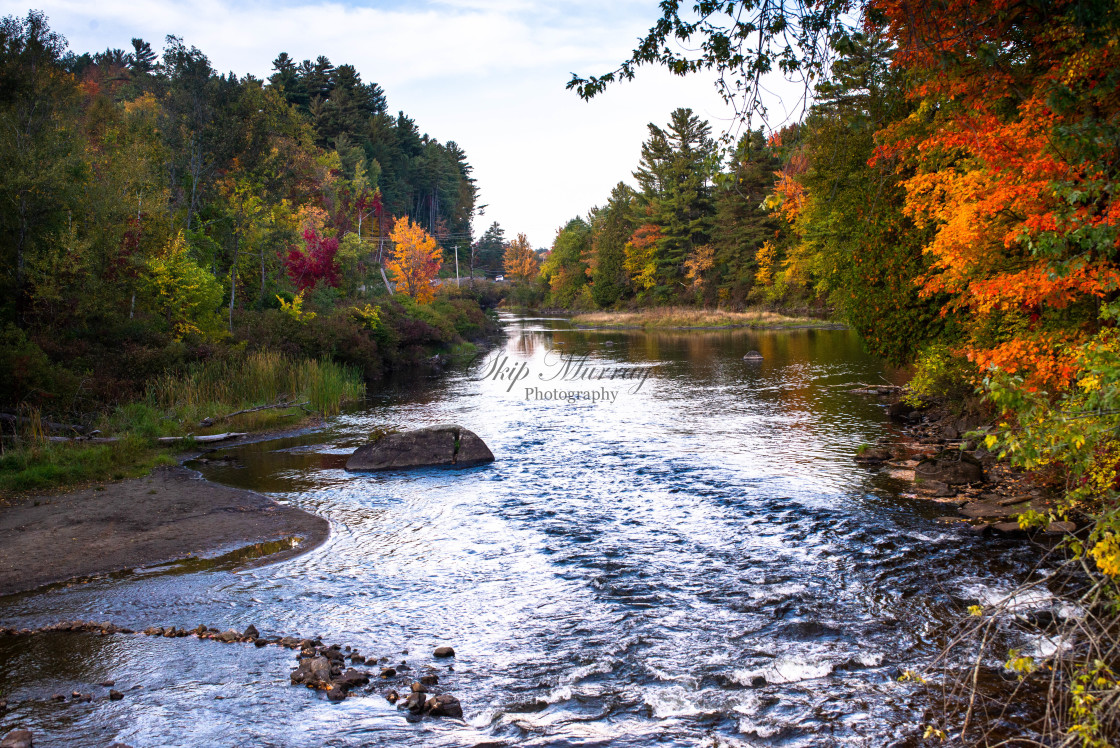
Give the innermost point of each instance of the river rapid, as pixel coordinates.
(693, 561)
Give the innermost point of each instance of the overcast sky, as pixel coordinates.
(488, 74)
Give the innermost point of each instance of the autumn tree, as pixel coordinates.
(520, 261)
(565, 268)
(415, 260)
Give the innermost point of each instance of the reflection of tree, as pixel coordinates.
(527, 343)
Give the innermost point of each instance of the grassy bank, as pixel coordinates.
(209, 397)
(696, 318)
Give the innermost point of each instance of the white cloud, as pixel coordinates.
(486, 73)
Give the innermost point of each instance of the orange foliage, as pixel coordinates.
(1004, 196)
(415, 261)
(520, 261)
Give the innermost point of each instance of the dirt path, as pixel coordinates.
(168, 515)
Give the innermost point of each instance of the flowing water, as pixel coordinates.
(696, 561)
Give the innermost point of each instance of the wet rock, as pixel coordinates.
(392, 697)
(251, 632)
(435, 445)
(752, 356)
(978, 509)
(429, 680)
(58, 697)
(937, 489)
(357, 659)
(418, 687)
(951, 468)
(334, 693)
(1007, 528)
(874, 455)
(229, 636)
(352, 679)
(445, 705)
(414, 702)
(313, 672)
(900, 410)
(290, 642)
(107, 683)
(115, 695)
(444, 652)
(1061, 528)
(388, 672)
(17, 739)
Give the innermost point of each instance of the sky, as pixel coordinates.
(488, 74)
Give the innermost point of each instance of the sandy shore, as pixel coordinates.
(171, 514)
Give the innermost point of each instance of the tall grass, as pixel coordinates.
(177, 404)
(214, 388)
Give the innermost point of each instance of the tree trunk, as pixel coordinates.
(233, 280)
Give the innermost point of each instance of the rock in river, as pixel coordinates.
(17, 739)
(444, 652)
(444, 705)
(435, 445)
(951, 468)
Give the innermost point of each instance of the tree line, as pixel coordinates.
(151, 203)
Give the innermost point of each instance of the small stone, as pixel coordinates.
(251, 632)
(229, 636)
(429, 680)
(418, 687)
(115, 695)
(17, 739)
(414, 702)
(1007, 528)
(107, 683)
(392, 697)
(1059, 528)
(388, 672)
(445, 705)
(58, 697)
(444, 652)
(335, 693)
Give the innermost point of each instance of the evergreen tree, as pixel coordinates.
(611, 226)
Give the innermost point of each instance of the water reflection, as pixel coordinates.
(698, 560)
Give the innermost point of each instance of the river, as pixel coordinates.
(695, 562)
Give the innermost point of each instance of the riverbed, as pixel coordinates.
(684, 555)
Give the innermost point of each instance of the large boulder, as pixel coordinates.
(435, 445)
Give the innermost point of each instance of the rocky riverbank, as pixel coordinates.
(168, 515)
(931, 448)
(419, 690)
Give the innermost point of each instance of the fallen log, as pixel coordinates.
(50, 425)
(283, 404)
(202, 439)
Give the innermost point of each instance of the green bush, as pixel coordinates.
(940, 373)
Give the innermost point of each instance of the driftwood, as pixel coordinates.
(202, 439)
(212, 421)
(162, 440)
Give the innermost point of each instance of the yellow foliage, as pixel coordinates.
(295, 309)
(1107, 554)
